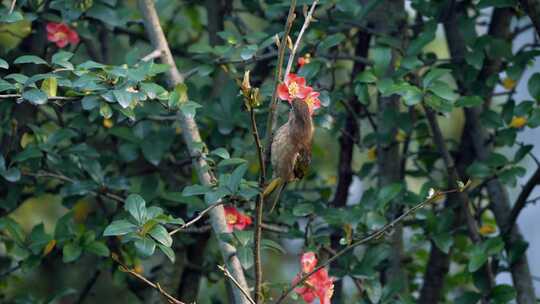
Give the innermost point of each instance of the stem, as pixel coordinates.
(297, 43)
(374, 235)
(257, 233)
(192, 138)
(272, 118)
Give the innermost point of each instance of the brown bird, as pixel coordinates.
(291, 147)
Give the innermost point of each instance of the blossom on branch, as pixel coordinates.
(318, 286)
(61, 34)
(312, 99)
(236, 219)
(293, 87)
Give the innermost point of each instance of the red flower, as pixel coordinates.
(318, 285)
(235, 219)
(293, 87)
(312, 99)
(304, 60)
(61, 34)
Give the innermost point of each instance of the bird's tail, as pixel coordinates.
(280, 189)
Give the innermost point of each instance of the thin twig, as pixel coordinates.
(272, 117)
(156, 286)
(195, 219)
(230, 277)
(299, 39)
(64, 178)
(12, 6)
(153, 55)
(10, 271)
(257, 232)
(88, 287)
(521, 201)
(52, 98)
(374, 235)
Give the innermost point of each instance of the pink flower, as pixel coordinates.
(293, 87)
(312, 99)
(61, 34)
(235, 219)
(318, 285)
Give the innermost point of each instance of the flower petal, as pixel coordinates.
(283, 92)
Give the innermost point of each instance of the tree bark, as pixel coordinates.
(499, 202)
(532, 8)
(192, 137)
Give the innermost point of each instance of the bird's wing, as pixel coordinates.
(301, 165)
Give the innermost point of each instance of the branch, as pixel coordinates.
(272, 118)
(374, 235)
(52, 98)
(88, 287)
(192, 139)
(532, 8)
(156, 286)
(230, 277)
(299, 39)
(197, 218)
(521, 201)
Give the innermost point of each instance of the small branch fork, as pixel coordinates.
(374, 235)
(195, 219)
(308, 19)
(230, 277)
(156, 286)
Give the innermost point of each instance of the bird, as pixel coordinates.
(291, 147)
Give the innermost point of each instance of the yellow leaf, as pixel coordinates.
(27, 139)
(518, 122)
(487, 229)
(108, 123)
(49, 247)
(49, 86)
(81, 209)
(401, 136)
(372, 153)
(509, 83)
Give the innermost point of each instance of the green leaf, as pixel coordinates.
(195, 190)
(50, 86)
(221, 152)
(168, 252)
(388, 193)
(105, 110)
(123, 97)
(136, 206)
(145, 246)
(35, 96)
(426, 36)
(432, 75)
(71, 252)
(374, 290)
(443, 241)
(236, 177)
(469, 101)
(534, 86)
(245, 255)
(493, 246)
(119, 227)
(248, 52)
(29, 59)
(382, 56)
(14, 229)
(477, 258)
(366, 76)
(98, 248)
(272, 245)
(38, 239)
(468, 297)
(522, 152)
(6, 17)
(3, 64)
(330, 41)
(534, 119)
(443, 90)
(189, 108)
(479, 170)
(160, 234)
(12, 174)
(496, 3)
(502, 294)
(303, 209)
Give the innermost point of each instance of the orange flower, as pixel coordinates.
(318, 285)
(518, 122)
(61, 34)
(304, 60)
(235, 219)
(312, 99)
(293, 87)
